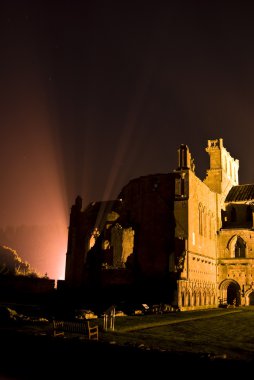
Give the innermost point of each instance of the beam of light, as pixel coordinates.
(54, 207)
(126, 151)
(33, 196)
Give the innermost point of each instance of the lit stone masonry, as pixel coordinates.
(169, 238)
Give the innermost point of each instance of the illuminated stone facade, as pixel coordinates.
(236, 247)
(170, 237)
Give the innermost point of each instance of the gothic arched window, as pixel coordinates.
(204, 222)
(200, 218)
(240, 247)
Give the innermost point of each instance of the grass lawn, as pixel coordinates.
(215, 340)
(225, 333)
(189, 340)
(219, 332)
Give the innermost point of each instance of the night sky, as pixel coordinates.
(95, 94)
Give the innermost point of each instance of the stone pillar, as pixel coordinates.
(179, 294)
(202, 299)
(179, 298)
(184, 157)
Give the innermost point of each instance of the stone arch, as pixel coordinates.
(240, 247)
(237, 247)
(249, 297)
(230, 292)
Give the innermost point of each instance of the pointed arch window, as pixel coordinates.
(200, 218)
(204, 222)
(240, 248)
(237, 247)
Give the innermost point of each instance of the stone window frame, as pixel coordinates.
(232, 247)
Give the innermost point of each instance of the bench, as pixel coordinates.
(76, 327)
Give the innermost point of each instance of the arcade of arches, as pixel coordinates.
(230, 293)
(196, 294)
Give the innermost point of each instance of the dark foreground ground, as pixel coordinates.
(31, 356)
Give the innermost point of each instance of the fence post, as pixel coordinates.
(109, 319)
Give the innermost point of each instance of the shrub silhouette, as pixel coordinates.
(12, 264)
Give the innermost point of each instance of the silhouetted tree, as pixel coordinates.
(12, 264)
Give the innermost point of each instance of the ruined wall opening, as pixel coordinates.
(251, 298)
(230, 293)
(237, 247)
(240, 247)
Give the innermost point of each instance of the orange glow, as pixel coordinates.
(33, 202)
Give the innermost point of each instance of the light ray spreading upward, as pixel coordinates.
(92, 96)
(33, 202)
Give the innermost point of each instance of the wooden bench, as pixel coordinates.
(76, 327)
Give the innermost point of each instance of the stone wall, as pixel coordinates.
(237, 269)
(148, 204)
(195, 215)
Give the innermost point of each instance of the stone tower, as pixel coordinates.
(223, 172)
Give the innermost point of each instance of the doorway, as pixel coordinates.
(233, 297)
(251, 298)
(230, 293)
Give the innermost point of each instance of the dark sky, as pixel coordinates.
(95, 94)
